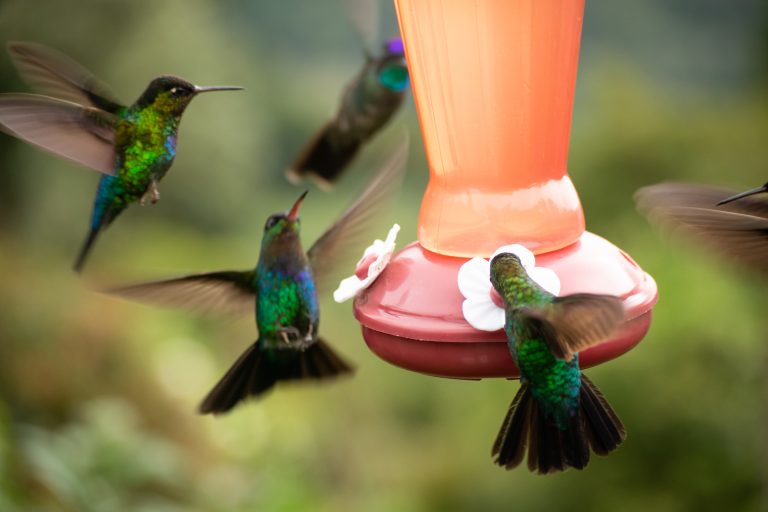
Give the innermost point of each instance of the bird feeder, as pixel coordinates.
(493, 83)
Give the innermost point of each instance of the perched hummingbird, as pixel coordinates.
(369, 101)
(133, 146)
(558, 413)
(284, 290)
(733, 225)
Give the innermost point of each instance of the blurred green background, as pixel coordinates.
(99, 395)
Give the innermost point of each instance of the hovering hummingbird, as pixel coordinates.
(283, 289)
(369, 100)
(733, 225)
(558, 413)
(82, 121)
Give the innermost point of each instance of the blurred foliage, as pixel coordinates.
(98, 395)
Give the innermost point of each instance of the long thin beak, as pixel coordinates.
(294, 213)
(748, 193)
(210, 88)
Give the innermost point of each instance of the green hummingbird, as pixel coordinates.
(368, 102)
(735, 225)
(81, 120)
(283, 289)
(558, 412)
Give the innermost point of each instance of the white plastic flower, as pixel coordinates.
(483, 307)
(375, 259)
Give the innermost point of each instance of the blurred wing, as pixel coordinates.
(81, 134)
(738, 229)
(364, 17)
(666, 195)
(575, 322)
(228, 292)
(740, 236)
(53, 73)
(341, 246)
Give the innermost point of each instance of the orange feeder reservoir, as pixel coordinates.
(493, 83)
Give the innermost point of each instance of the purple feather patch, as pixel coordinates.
(395, 46)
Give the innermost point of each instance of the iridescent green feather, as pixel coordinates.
(554, 382)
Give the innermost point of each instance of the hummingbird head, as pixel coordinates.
(281, 231)
(506, 272)
(171, 94)
(394, 47)
(392, 70)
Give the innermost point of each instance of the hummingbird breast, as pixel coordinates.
(147, 150)
(286, 303)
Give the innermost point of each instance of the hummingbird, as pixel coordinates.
(283, 291)
(558, 413)
(734, 225)
(81, 120)
(368, 102)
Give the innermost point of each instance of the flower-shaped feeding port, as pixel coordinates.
(493, 84)
(374, 261)
(483, 307)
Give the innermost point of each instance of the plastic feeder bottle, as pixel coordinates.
(493, 83)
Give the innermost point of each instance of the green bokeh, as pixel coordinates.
(99, 395)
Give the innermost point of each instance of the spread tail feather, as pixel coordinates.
(324, 158)
(86, 249)
(551, 449)
(604, 428)
(256, 371)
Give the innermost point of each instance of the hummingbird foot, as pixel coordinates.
(289, 335)
(152, 194)
(294, 340)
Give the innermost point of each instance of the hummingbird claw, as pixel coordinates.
(152, 194)
(293, 338)
(289, 335)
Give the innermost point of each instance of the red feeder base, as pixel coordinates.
(411, 315)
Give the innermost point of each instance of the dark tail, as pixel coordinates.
(85, 249)
(551, 449)
(325, 157)
(256, 371)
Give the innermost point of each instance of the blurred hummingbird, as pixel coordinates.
(82, 121)
(735, 225)
(283, 289)
(558, 412)
(369, 100)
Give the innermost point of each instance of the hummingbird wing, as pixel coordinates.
(228, 292)
(740, 236)
(738, 229)
(53, 73)
(84, 135)
(340, 247)
(574, 322)
(692, 195)
(364, 16)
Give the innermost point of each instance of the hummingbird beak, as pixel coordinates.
(748, 193)
(210, 88)
(294, 213)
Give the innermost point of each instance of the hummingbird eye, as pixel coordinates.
(271, 222)
(179, 91)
